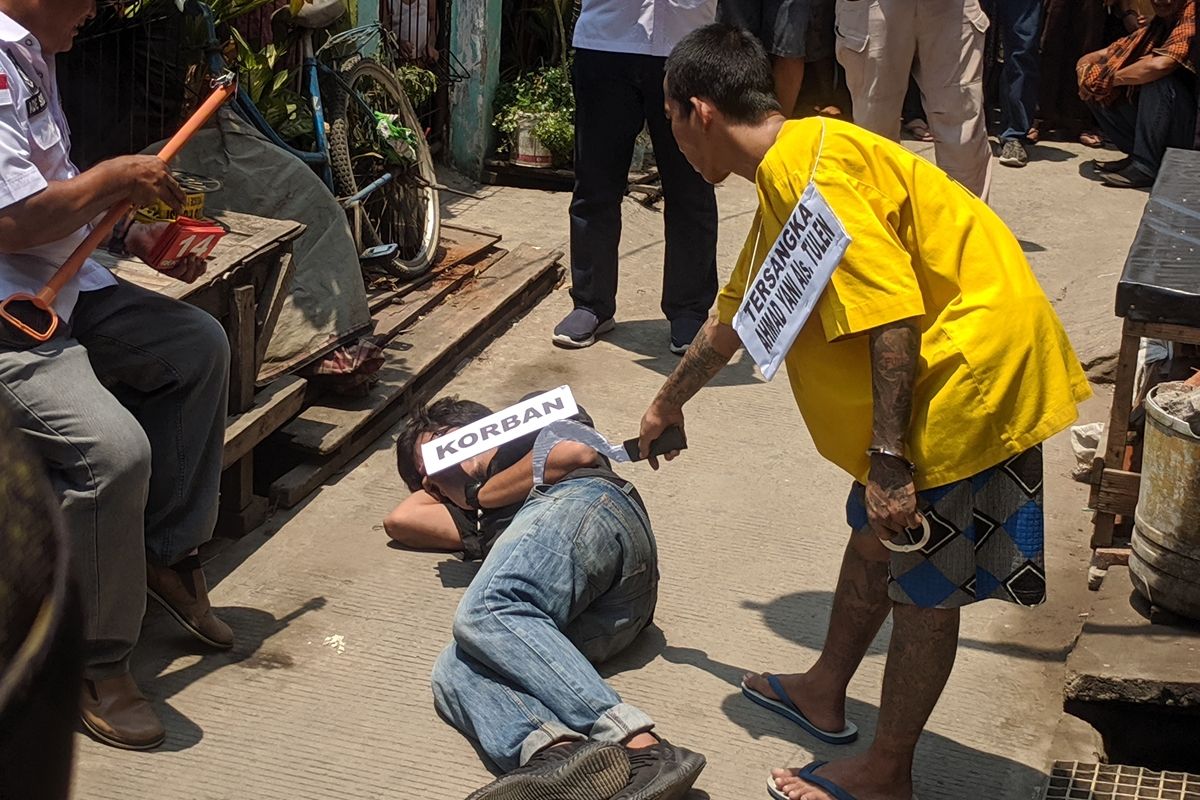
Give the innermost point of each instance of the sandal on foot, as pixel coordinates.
(806, 774)
(786, 708)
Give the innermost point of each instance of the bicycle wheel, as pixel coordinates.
(405, 211)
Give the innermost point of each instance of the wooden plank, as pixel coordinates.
(272, 407)
(1118, 492)
(432, 366)
(233, 251)
(395, 318)
(322, 428)
(1118, 427)
(241, 349)
(460, 244)
(279, 284)
(457, 245)
(1163, 330)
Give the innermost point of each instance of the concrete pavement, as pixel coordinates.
(326, 694)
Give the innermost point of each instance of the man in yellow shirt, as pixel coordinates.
(930, 369)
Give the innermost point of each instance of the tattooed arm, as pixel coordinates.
(891, 495)
(711, 350)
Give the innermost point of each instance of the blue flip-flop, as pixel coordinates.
(786, 708)
(808, 775)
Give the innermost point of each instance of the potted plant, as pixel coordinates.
(536, 113)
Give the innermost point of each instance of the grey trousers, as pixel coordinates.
(127, 407)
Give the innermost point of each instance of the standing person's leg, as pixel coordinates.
(98, 461)
(608, 116)
(1021, 20)
(949, 70)
(987, 542)
(860, 605)
(920, 658)
(876, 40)
(689, 221)
(168, 362)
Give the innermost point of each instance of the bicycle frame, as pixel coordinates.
(245, 107)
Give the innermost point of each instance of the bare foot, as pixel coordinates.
(859, 775)
(1091, 139)
(824, 708)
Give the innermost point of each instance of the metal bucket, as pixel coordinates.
(1165, 558)
(530, 152)
(41, 638)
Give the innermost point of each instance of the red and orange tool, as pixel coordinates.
(43, 301)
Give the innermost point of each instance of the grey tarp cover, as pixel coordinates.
(327, 304)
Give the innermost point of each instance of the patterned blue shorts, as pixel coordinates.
(986, 539)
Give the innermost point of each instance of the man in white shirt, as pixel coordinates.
(126, 403)
(620, 49)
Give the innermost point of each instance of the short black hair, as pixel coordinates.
(437, 418)
(726, 66)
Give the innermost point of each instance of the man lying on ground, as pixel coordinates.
(570, 579)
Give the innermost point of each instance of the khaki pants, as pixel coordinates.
(941, 42)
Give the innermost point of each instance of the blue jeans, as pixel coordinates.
(571, 583)
(1020, 25)
(1161, 115)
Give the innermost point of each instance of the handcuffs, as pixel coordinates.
(909, 548)
(925, 532)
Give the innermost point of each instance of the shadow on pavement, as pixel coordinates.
(162, 642)
(802, 618)
(650, 339)
(977, 769)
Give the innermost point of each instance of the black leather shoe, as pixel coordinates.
(1129, 178)
(1112, 166)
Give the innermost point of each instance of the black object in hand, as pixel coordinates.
(671, 439)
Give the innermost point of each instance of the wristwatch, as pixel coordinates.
(883, 451)
(471, 490)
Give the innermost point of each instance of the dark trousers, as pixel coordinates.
(1162, 114)
(1019, 23)
(615, 93)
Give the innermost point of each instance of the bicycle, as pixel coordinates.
(374, 157)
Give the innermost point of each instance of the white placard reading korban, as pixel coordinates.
(527, 416)
(793, 275)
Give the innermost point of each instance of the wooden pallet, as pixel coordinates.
(420, 359)
(457, 244)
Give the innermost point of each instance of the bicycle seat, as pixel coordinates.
(318, 14)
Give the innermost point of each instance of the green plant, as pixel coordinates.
(263, 75)
(536, 33)
(418, 83)
(546, 96)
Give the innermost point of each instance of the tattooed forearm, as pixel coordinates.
(711, 350)
(895, 349)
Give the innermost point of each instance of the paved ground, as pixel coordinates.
(326, 694)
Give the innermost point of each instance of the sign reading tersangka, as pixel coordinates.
(793, 275)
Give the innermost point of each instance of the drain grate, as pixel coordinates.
(1071, 780)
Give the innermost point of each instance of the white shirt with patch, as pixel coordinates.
(35, 150)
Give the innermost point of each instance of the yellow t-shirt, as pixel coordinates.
(996, 373)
